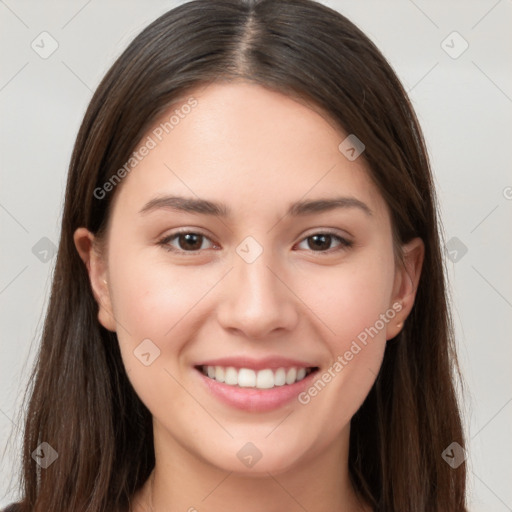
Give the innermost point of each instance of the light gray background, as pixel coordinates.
(465, 108)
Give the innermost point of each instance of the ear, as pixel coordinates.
(407, 277)
(96, 265)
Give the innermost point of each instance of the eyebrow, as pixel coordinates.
(205, 207)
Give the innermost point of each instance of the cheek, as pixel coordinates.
(153, 307)
(154, 300)
(148, 293)
(353, 306)
(350, 299)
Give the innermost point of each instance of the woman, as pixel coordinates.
(248, 307)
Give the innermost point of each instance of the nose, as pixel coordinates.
(258, 302)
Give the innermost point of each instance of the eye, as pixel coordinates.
(192, 242)
(187, 241)
(321, 242)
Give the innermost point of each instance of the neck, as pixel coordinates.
(183, 481)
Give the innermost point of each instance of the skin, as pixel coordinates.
(256, 151)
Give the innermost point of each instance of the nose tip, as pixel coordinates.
(257, 301)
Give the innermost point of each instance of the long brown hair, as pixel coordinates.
(80, 400)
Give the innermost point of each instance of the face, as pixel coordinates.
(251, 279)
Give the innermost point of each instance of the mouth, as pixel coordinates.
(261, 379)
(255, 385)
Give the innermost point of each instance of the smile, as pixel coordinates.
(266, 378)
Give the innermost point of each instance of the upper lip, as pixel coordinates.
(257, 364)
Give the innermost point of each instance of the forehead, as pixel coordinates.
(247, 146)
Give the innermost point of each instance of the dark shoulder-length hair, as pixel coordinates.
(80, 400)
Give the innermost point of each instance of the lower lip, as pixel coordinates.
(255, 400)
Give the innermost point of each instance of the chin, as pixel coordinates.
(256, 459)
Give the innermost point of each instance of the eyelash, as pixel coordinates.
(344, 244)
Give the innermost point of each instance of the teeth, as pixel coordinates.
(262, 379)
(265, 379)
(291, 375)
(280, 377)
(231, 376)
(246, 378)
(218, 374)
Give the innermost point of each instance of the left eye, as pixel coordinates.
(320, 242)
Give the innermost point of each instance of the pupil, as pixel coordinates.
(325, 241)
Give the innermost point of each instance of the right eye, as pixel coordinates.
(188, 242)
